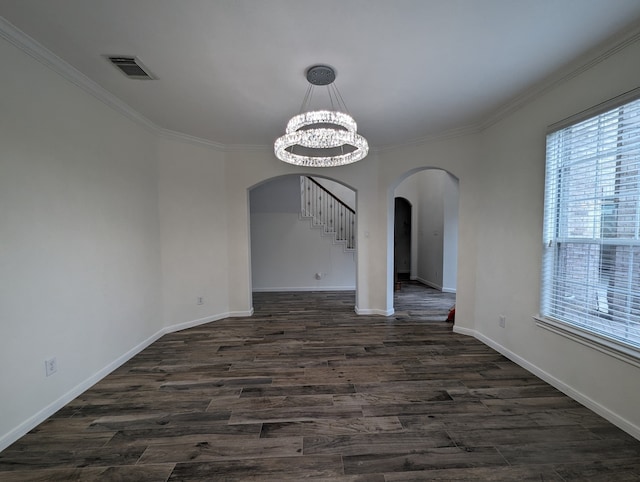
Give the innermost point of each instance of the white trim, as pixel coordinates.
(239, 314)
(169, 134)
(33, 421)
(436, 137)
(464, 331)
(53, 407)
(578, 396)
(429, 284)
(601, 344)
(202, 321)
(587, 114)
(31, 47)
(584, 63)
(304, 288)
(433, 285)
(367, 311)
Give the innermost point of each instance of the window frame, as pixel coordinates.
(579, 333)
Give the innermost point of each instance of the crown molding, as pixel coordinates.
(435, 137)
(585, 62)
(175, 135)
(31, 47)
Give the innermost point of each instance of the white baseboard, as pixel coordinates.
(464, 331)
(578, 396)
(202, 321)
(53, 407)
(429, 283)
(305, 288)
(366, 311)
(191, 324)
(36, 419)
(435, 286)
(239, 314)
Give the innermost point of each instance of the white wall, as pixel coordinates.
(96, 215)
(460, 157)
(430, 226)
(286, 252)
(450, 234)
(280, 195)
(509, 216)
(248, 168)
(501, 185)
(193, 215)
(79, 240)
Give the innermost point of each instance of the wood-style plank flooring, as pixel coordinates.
(307, 390)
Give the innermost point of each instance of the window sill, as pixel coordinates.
(608, 347)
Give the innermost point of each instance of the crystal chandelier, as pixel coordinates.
(321, 138)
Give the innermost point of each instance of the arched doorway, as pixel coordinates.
(294, 222)
(433, 195)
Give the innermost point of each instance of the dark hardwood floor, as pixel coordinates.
(307, 390)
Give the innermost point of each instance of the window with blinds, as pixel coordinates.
(591, 260)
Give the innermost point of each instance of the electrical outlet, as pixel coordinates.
(502, 321)
(50, 366)
(200, 300)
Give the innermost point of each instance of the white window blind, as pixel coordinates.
(591, 259)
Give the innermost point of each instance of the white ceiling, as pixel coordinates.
(232, 71)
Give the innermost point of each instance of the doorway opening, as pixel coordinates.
(425, 246)
(401, 242)
(293, 247)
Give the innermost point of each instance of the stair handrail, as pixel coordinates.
(345, 231)
(340, 201)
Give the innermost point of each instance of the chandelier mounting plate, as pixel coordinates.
(321, 75)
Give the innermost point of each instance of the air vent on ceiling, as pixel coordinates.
(131, 67)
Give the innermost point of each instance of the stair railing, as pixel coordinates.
(328, 212)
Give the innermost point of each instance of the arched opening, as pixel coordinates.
(433, 261)
(302, 235)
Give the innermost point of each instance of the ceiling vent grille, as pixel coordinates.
(131, 67)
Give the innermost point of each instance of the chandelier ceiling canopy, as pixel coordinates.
(321, 138)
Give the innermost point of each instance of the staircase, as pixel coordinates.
(327, 212)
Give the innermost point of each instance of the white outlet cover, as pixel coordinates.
(50, 366)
